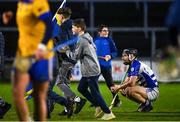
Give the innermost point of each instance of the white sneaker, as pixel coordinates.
(108, 116)
(98, 112)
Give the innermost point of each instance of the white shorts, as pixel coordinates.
(152, 93)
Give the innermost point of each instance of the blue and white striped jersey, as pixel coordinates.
(145, 74)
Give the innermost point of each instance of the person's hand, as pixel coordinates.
(64, 49)
(115, 88)
(107, 57)
(6, 17)
(41, 52)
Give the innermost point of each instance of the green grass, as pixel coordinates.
(166, 108)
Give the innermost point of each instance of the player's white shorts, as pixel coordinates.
(152, 93)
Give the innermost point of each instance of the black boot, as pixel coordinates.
(3, 109)
(80, 105)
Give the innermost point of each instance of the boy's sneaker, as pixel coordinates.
(98, 112)
(69, 108)
(4, 109)
(80, 105)
(108, 116)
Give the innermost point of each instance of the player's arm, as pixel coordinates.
(46, 18)
(129, 83)
(42, 49)
(42, 12)
(113, 50)
(79, 49)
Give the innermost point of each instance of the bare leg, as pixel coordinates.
(137, 94)
(40, 94)
(20, 81)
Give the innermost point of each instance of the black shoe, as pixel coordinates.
(117, 103)
(69, 108)
(141, 107)
(63, 113)
(147, 108)
(80, 105)
(4, 109)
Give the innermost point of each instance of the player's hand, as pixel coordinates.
(115, 88)
(6, 17)
(123, 92)
(41, 52)
(107, 57)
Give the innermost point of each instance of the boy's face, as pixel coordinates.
(104, 32)
(75, 30)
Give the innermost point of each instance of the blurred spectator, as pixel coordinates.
(106, 51)
(170, 54)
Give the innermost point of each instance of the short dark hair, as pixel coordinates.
(80, 23)
(131, 51)
(101, 26)
(66, 12)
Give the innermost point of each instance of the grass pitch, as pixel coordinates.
(166, 108)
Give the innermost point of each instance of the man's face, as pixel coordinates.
(125, 58)
(104, 32)
(75, 30)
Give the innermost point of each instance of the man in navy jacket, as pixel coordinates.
(106, 50)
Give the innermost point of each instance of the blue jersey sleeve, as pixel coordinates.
(46, 18)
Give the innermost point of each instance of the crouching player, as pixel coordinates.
(138, 73)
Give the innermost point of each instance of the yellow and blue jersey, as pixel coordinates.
(35, 26)
(32, 30)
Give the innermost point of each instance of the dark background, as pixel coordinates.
(114, 14)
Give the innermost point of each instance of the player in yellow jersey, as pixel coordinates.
(32, 60)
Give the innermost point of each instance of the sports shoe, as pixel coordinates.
(117, 103)
(98, 112)
(147, 108)
(80, 105)
(108, 116)
(4, 109)
(69, 108)
(140, 108)
(63, 113)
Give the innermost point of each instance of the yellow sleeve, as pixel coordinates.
(40, 7)
(59, 21)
